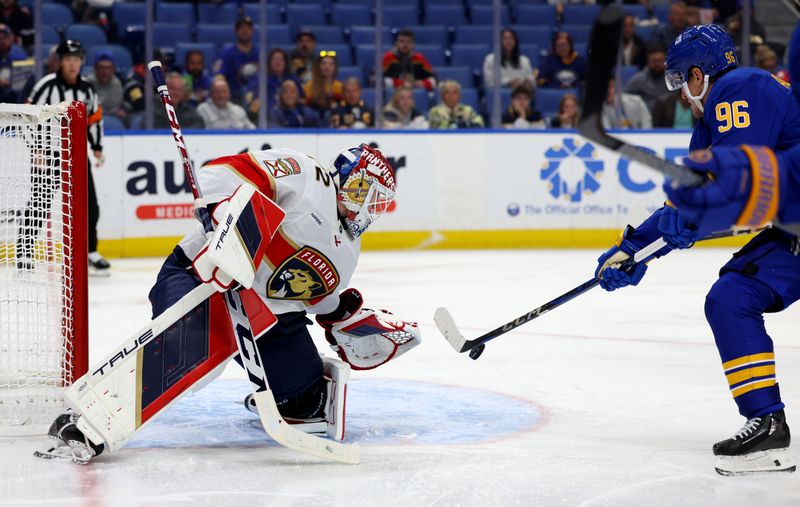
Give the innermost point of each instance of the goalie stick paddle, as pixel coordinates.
(603, 47)
(274, 425)
(447, 325)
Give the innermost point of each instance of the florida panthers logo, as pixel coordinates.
(307, 275)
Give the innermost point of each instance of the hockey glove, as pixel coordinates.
(247, 221)
(609, 270)
(364, 338)
(742, 192)
(676, 231)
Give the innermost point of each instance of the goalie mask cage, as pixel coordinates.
(43, 264)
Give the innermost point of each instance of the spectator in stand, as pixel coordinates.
(568, 113)
(758, 35)
(188, 115)
(563, 67)
(677, 21)
(133, 93)
(19, 20)
(693, 16)
(9, 53)
(451, 113)
(400, 112)
(239, 62)
(290, 112)
(219, 112)
(672, 112)
(277, 73)
(633, 48)
(196, 76)
(107, 84)
(402, 65)
(304, 55)
(351, 112)
(515, 69)
(765, 58)
(559, 5)
(649, 83)
(633, 111)
(324, 89)
(51, 65)
(520, 114)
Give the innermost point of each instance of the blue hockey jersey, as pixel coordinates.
(748, 106)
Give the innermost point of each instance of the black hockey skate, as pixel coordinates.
(306, 411)
(68, 442)
(760, 446)
(98, 266)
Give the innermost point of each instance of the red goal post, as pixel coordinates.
(43, 261)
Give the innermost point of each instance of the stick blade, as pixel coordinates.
(447, 326)
(283, 433)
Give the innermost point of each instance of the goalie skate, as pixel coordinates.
(761, 446)
(68, 442)
(332, 422)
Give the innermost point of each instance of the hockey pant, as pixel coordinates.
(763, 277)
(291, 360)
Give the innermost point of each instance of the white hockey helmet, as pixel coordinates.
(366, 186)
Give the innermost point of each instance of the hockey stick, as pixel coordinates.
(603, 48)
(274, 425)
(447, 326)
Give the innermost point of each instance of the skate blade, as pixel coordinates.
(99, 273)
(76, 454)
(772, 461)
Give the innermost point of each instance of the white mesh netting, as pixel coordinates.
(36, 303)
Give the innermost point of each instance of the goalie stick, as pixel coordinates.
(274, 424)
(447, 326)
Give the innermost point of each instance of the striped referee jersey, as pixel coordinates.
(52, 90)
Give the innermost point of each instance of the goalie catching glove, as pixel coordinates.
(364, 338)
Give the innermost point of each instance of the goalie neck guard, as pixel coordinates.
(707, 47)
(366, 186)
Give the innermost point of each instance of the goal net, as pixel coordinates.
(43, 304)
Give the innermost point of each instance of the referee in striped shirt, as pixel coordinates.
(67, 84)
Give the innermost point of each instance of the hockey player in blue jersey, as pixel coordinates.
(734, 106)
(722, 203)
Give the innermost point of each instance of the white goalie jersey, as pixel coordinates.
(312, 257)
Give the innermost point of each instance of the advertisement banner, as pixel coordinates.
(448, 181)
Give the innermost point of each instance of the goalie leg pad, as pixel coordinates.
(115, 403)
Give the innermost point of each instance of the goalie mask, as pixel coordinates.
(366, 186)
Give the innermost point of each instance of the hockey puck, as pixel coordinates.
(477, 351)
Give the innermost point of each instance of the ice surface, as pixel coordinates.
(612, 399)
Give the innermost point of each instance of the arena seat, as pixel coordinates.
(89, 35)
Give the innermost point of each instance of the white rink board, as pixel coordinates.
(446, 181)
